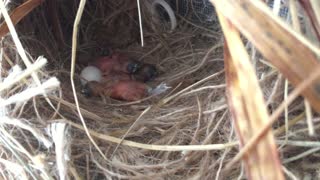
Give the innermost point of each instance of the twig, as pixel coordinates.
(309, 117)
(290, 174)
(73, 63)
(189, 87)
(131, 127)
(283, 128)
(156, 147)
(313, 144)
(302, 155)
(140, 23)
(286, 111)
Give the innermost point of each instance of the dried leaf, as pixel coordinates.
(19, 13)
(248, 107)
(287, 50)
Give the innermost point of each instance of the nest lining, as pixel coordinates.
(195, 113)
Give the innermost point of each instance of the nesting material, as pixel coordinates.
(59, 135)
(182, 129)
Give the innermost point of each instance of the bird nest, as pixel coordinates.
(185, 131)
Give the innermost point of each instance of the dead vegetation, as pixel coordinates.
(188, 131)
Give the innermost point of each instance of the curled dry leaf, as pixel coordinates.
(293, 55)
(19, 13)
(248, 107)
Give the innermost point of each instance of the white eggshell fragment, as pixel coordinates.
(161, 88)
(90, 73)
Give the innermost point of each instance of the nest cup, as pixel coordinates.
(189, 59)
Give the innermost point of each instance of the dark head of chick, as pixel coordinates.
(87, 90)
(147, 72)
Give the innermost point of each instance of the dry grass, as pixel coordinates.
(184, 132)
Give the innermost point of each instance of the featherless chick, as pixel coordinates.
(122, 90)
